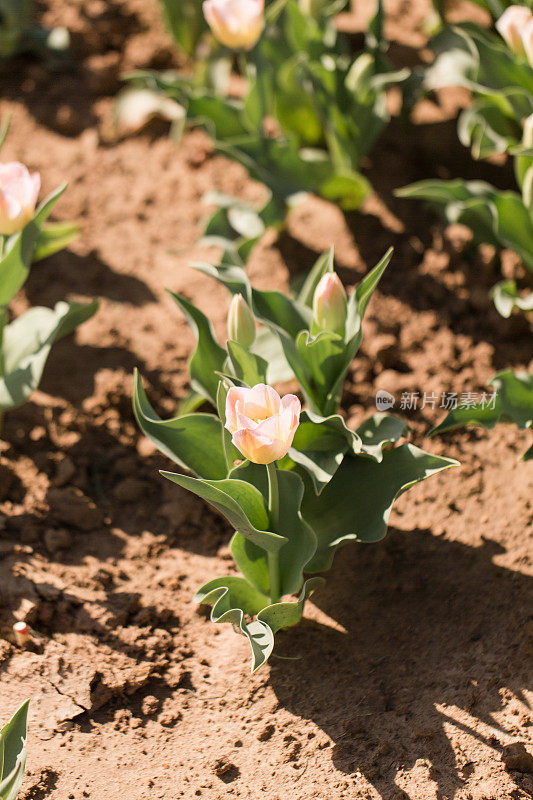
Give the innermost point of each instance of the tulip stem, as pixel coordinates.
(273, 509)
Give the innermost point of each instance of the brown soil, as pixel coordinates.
(412, 670)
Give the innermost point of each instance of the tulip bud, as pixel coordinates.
(330, 304)
(527, 138)
(21, 633)
(510, 26)
(235, 23)
(18, 196)
(241, 324)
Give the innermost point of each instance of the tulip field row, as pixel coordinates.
(266, 298)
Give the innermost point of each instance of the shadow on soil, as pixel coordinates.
(428, 623)
(67, 272)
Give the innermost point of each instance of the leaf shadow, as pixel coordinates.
(87, 275)
(420, 623)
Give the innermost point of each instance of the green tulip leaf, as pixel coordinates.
(55, 237)
(356, 503)
(512, 402)
(319, 446)
(19, 249)
(194, 441)
(288, 614)
(27, 344)
(185, 21)
(239, 502)
(300, 541)
(498, 218)
(248, 367)
(13, 753)
(379, 431)
(209, 357)
(233, 597)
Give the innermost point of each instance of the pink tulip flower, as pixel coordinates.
(510, 26)
(235, 23)
(262, 423)
(330, 304)
(18, 196)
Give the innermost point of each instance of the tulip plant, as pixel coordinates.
(295, 483)
(25, 238)
(308, 113)
(13, 753)
(498, 68)
(513, 403)
(18, 34)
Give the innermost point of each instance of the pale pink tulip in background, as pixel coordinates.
(527, 40)
(262, 423)
(235, 23)
(18, 196)
(511, 26)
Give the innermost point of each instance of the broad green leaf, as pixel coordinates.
(241, 504)
(185, 21)
(267, 346)
(512, 402)
(55, 237)
(514, 225)
(27, 344)
(356, 503)
(365, 289)
(194, 441)
(232, 597)
(208, 357)
(191, 402)
(16, 261)
(288, 614)
(19, 250)
(221, 118)
(319, 446)
(13, 738)
(300, 541)
(379, 431)
(248, 367)
(325, 359)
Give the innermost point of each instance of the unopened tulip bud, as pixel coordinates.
(511, 25)
(330, 304)
(18, 196)
(235, 23)
(21, 633)
(241, 324)
(527, 138)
